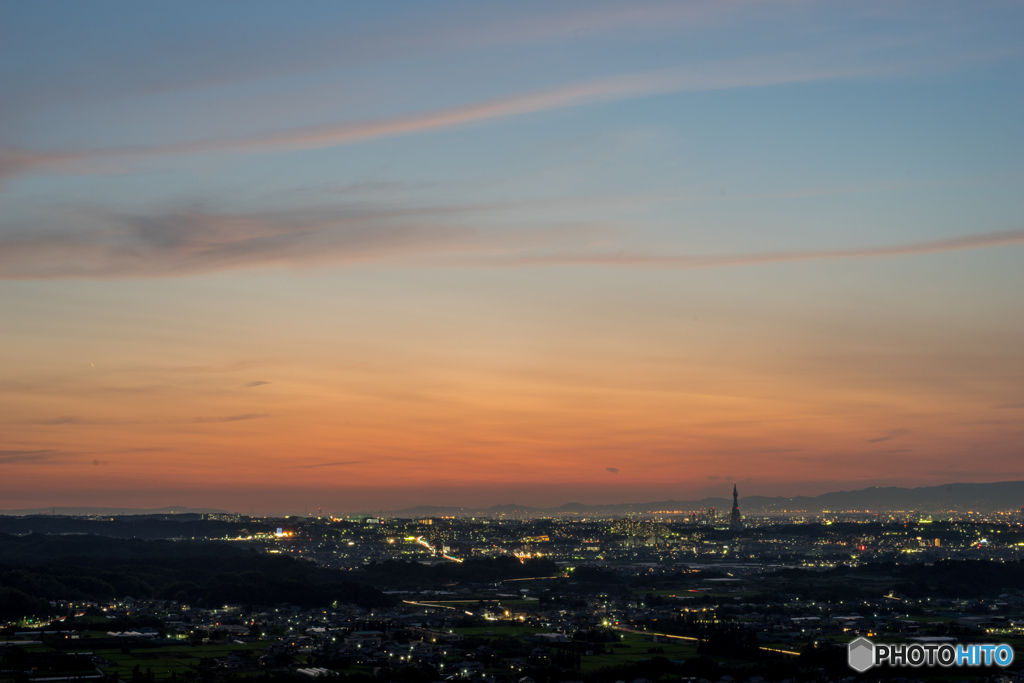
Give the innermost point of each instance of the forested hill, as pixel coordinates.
(133, 526)
(43, 548)
(37, 569)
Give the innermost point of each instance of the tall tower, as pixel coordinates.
(735, 522)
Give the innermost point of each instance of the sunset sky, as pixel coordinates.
(366, 256)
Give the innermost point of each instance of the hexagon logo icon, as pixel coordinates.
(860, 654)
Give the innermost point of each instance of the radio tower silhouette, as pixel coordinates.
(735, 522)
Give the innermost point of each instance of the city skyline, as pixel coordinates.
(357, 257)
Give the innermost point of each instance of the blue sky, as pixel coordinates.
(663, 198)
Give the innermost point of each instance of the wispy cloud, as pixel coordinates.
(8, 457)
(759, 71)
(590, 20)
(14, 162)
(634, 259)
(613, 470)
(210, 62)
(185, 242)
(63, 420)
(258, 383)
(889, 437)
(227, 418)
(235, 366)
(337, 463)
(48, 456)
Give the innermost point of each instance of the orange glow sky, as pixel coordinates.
(585, 256)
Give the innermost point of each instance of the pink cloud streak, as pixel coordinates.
(747, 72)
(634, 259)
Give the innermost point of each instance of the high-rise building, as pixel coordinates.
(735, 522)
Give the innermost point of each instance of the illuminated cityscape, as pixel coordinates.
(506, 596)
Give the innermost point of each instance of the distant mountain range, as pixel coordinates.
(111, 512)
(1003, 495)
